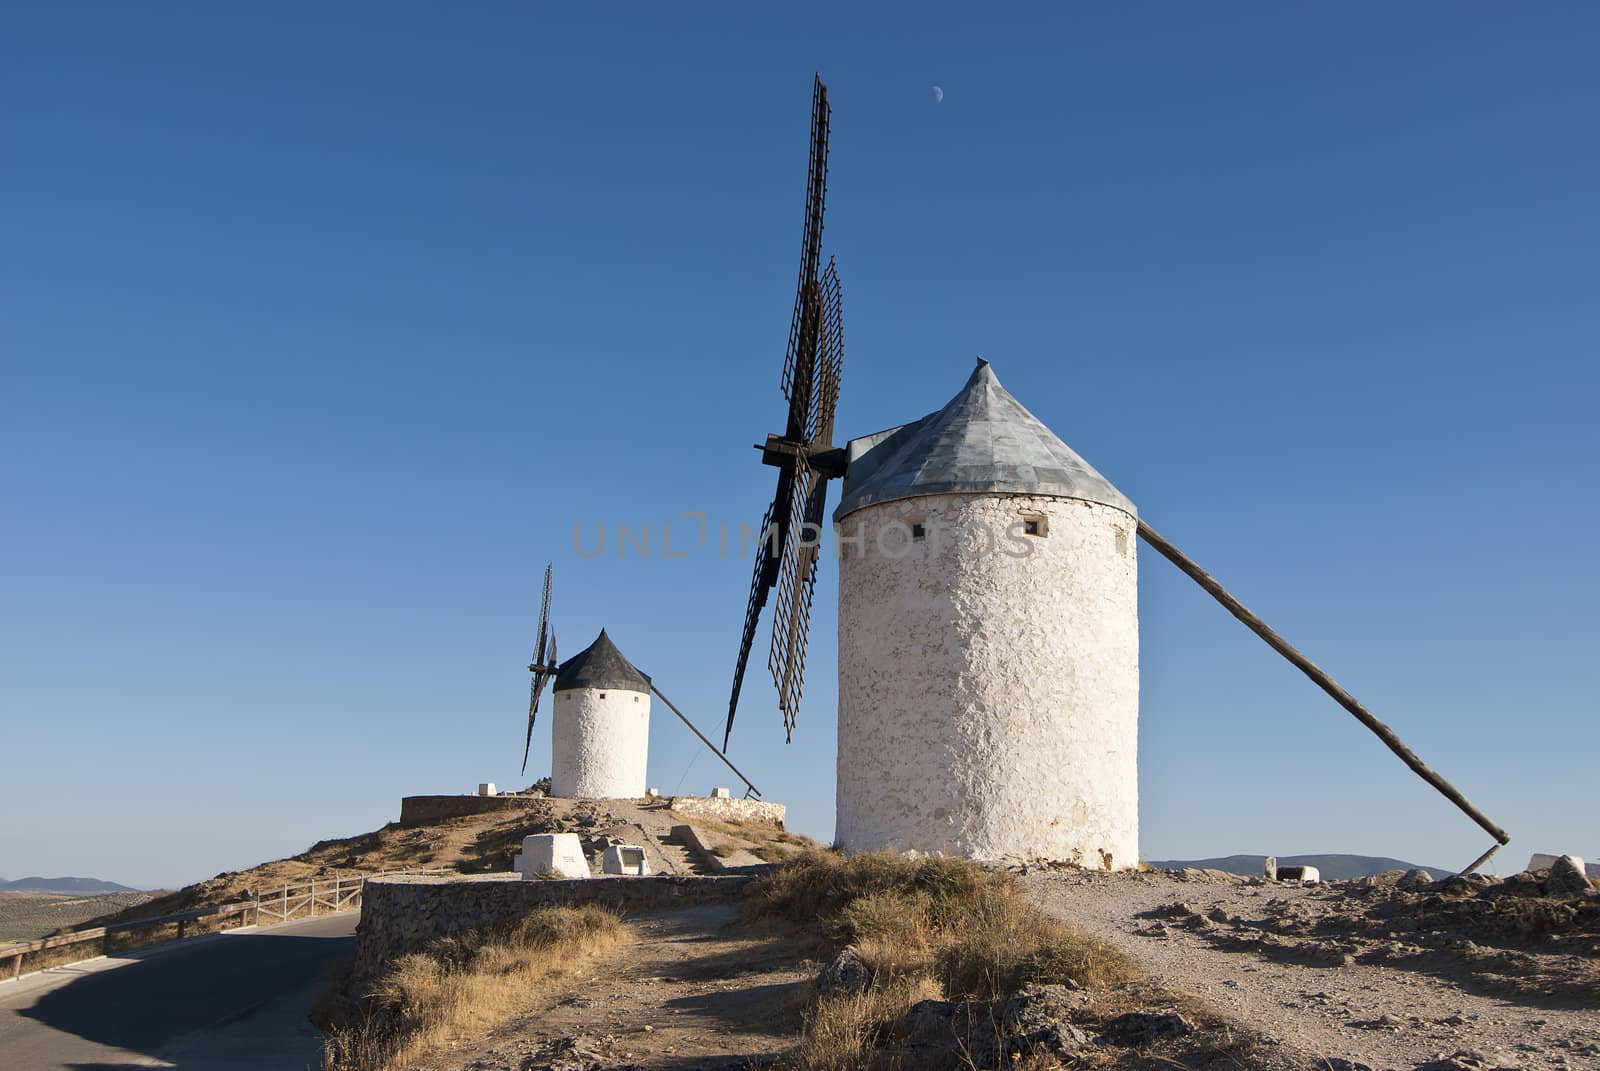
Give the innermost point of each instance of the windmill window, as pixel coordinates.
(602, 695)
(918, 532)
(1035, 525)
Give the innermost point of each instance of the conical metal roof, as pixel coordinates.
(600, 665)
(983, 442)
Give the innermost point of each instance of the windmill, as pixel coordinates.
(543, 666)
(957, 733)
(599, 748)
(804, 454)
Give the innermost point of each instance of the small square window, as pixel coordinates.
(602, 695)
(1035, 525)
(918, 532)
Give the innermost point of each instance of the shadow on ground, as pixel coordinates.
(146, 1006)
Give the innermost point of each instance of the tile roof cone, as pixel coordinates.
(988, 642)
(601, 726)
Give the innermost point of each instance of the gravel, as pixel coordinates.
(1341, 974)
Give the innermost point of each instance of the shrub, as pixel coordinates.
(465, 984)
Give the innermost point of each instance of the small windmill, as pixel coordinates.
(804, 454)
(543, 666)
(598, 749)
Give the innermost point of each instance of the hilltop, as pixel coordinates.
(1333, 866)
(73, 886)
(25, 915)
(475, 844)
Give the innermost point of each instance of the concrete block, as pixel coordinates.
(1542, 861)
(486, 788)
(624, 859)
(720, 793)
(553, 855)
(1310, 875)
(516, 863)
(652, 793)
(1269, 868)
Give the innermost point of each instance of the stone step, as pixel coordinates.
(683, 858)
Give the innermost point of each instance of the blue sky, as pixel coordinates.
(321, 329)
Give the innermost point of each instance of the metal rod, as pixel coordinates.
(706, 742)
(1482, 859)
(1321, 679)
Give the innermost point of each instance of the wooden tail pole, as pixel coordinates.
(1482, 859)
(1321, 679)
(753, 789)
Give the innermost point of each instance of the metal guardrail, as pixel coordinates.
(334, 895)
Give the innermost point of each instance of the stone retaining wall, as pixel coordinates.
(421, 810)
(729, 810)
(401, 914)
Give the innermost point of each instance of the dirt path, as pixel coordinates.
(1382, 1016)
(684, 994)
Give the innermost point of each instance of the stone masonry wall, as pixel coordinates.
(729, 810)
(420, 810)
(401, 914)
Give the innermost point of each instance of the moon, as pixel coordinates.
(938, 94)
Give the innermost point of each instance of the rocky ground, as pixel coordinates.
(1379, 972)
(687, 993)
(699, 989)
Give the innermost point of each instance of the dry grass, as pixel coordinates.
(842, 1033)
(765, 841)
(465, 986)
(926, 928)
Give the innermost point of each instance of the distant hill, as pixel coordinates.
(1331, 867)
(70, 886)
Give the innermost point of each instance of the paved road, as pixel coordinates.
(233, 1001)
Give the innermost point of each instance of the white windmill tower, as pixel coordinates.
(600, 729)
(988, 625)
(988, 641)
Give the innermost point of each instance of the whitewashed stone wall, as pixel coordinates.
(600, 743)
(989, 704)
(730, 810)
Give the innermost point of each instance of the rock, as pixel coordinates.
(1175, 910)
(1471, 1060)
(1567, 878)
(1037, 1007)
(1034, 1022)
(1415, 878)
(1140, 1027)
(929, 1018)
(1339, 1063)
(1055, 1039)
(845, 973)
